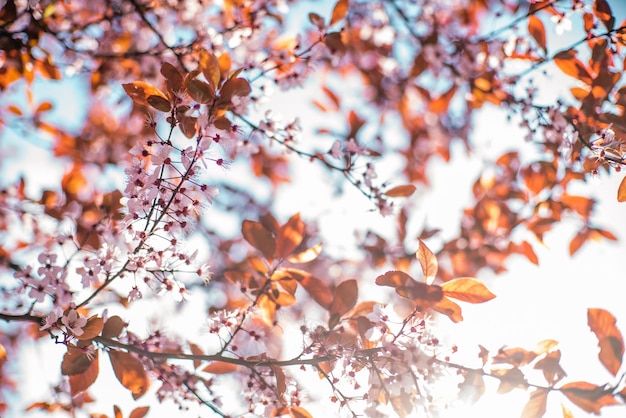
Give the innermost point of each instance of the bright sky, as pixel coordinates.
(533, 303)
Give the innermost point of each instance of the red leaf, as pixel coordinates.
(610, 340)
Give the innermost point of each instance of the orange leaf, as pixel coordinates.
(259, 237)
(621, 191)
(130, 372)
(537, 31)
(610, 340)
(210, 68)
(139, 91)
(113, 327)
(536, 405)
(603, 11)
(281, 383)
(197, 351)
(450, 309)
(75, 361)
(468, 290)
(588, 397)
(345, 298)
(424, 295)
(289, 236)
(220, 367)
(339, 12)
(298, 412)
(317, 288)
(578, 241)
(572, 66)
(393, 278)
(80, 382)
(428, 261)
(552, 370)
(307, 255)
(173, 76)
(139, 412)
(405, 190)
(92, 328)
(159, 103)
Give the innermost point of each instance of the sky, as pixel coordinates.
(532, 303)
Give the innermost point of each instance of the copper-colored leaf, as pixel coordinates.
(234, 87)
(307, 255)
(537, 31)
(299, 412)
(621, 191)
(75, 361)
(393, 278)
(473, 386)
(196, 351)
(536, 405)
(578, 241)
(339, 11)
(281, 381)
(139, 412)
(317, 288)
(159, 103)
(92, 328)
(200, 91)
(173, 76)
(428, 261)
(210, 68)
(552, 370)
(345, 298)
(113, 327)
(130, 372)
(405, 190)
(514, 356)
(588, 397)
(603, 11)
(450, 309)
(566, 412)
(572, 66)
(289, 236)
(259, 237)
(139, 91)
(220, 367)
(510, 379)
(467, 289)
(80, 382)
(610, 340)
(424, 295)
